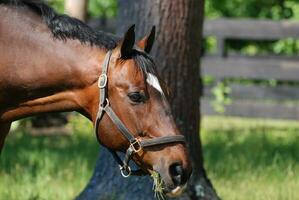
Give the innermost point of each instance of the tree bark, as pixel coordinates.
(77, 8)
(177, 55)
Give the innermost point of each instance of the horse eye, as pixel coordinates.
(142, 134)
(136, 97)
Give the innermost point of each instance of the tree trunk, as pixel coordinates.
(177, 55)
(77, 8)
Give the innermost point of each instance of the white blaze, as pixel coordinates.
(154, 82)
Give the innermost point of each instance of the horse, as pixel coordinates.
(51, 62)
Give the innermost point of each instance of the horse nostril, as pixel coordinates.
(177, 174)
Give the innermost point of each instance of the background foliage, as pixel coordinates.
(96, 8)
(262, 9)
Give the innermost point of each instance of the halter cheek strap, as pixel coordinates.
(136, 145)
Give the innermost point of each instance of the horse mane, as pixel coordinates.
(63, 26)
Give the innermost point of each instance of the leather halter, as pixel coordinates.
(136, 145)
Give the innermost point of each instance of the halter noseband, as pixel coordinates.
(136, 145)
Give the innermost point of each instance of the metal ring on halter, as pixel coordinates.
(136, 146)
(106, 104)
(125, 171)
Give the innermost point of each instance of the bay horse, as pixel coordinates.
(55, 63)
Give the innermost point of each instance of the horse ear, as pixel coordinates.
(128, 42)
(147, 42)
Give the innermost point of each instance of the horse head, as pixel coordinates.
(135, 117)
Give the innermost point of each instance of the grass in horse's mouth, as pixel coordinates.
(158, 185)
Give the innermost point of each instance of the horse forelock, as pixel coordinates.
(146, 64)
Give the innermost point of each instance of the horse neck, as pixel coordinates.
(48, 74)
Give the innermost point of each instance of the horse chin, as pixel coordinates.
(176, 192)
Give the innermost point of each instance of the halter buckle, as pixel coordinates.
(125, 171)
(136, 146)
(102, 82)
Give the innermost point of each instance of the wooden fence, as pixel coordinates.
(253, 100)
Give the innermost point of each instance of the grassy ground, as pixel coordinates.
(252, 159)
(245, 159)
(42, 168)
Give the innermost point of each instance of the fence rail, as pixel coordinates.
(251, 29)
(251, 67)
(254, 109)
(256, 92)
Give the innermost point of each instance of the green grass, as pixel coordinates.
(252, 159)
(244, 158)
(37, 168)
